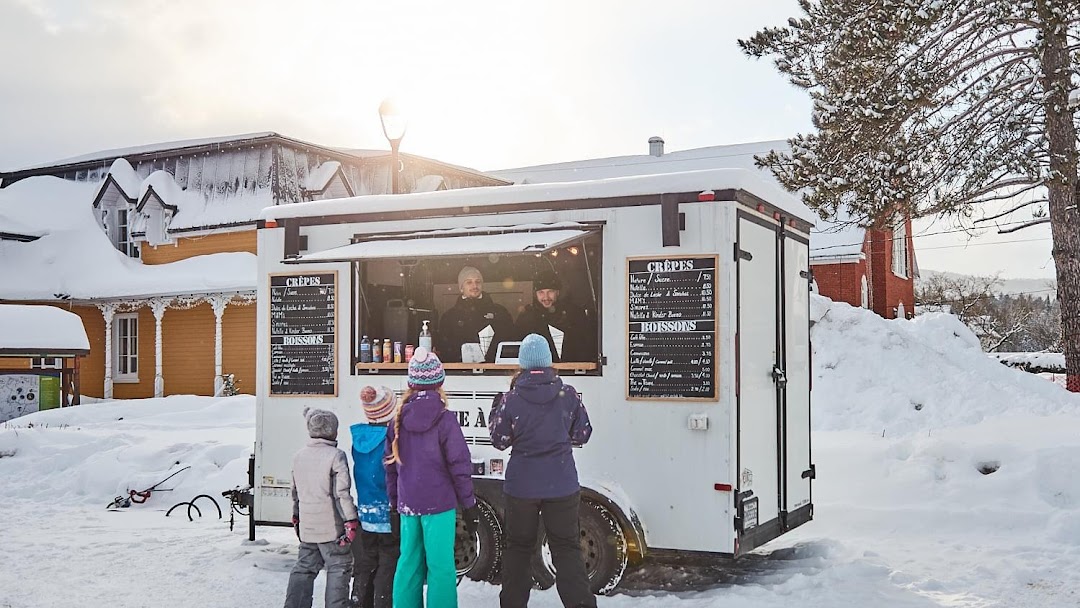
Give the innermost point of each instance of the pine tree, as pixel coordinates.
(933, 107)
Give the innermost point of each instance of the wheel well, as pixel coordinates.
(629, 522)
(490, 490)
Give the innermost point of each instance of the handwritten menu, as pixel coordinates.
(672, 328)
(303, 317)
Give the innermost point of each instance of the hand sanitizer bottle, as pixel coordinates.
(425, 337)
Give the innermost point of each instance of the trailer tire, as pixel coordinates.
(479, 557)
(603, 546)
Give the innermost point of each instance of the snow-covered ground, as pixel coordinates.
(908, 417)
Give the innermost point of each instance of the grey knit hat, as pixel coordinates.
(321, 424)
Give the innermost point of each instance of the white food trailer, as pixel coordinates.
(697, 379)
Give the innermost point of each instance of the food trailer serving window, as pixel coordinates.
(481, 290)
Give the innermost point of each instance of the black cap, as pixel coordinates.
(546, 279)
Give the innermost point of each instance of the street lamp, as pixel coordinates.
(393, 126)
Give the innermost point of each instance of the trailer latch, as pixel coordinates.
(779, 377)
(810, 473)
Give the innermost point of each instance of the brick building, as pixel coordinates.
(872, 268)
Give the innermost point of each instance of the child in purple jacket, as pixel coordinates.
(428, 476)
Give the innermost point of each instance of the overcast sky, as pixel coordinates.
(486, 83)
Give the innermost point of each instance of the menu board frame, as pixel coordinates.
(715, 396)
(270, 334)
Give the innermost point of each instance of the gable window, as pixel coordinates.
(117, 221)
(900, 250)
(46, 363)
(122, 237)
(126, 348)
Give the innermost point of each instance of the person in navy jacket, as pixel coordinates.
(541, 418)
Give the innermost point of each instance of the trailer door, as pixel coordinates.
(796, 358)
(758, 346)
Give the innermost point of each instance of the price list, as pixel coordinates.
(672, 328)
(303, 317)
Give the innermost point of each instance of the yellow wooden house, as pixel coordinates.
(154, 248)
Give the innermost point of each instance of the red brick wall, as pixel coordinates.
(888, 289)
(841, 282)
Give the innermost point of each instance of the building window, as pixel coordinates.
(117, 221)
(126, 348)
(123, 240)
(46, 363)
(864, 292)
(900, 250)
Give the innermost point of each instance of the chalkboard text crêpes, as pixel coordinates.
(672, 328)
(303, 325)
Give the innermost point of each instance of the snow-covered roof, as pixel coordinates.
(836, 240)
(74, 258)
(193, 209)
(715, 179)
(40, 328)
(366, 153)
(737, 156)
(146, 149)
(320, 176)
(429, 183)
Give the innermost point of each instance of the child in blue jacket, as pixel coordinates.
(376, 554)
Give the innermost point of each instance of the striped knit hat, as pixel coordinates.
(379, 403)
(425, 370)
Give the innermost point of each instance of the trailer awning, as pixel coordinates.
(457, 242)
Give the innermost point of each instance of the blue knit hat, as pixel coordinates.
(534, 352)
(425, 369)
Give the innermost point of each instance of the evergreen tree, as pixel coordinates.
(932, 107)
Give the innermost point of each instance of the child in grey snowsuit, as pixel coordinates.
(324, 515)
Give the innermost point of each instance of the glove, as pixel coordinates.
(350, 533)
(296, 527)
(395, 523)
(472, 519)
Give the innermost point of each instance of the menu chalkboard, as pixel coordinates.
(303, 323)
(672, 328)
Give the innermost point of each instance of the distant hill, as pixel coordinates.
(1035, 287)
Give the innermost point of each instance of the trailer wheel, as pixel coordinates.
(603, 545)
(479, 557)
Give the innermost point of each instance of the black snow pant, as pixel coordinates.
(560, 517)
(375, 559)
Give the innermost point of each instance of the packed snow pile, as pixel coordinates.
(92, 453)
(898, 377)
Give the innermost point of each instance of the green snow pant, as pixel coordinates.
(427, 554)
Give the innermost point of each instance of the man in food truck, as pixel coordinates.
(469, 317)
(568, 329)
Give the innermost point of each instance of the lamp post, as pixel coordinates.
(393, 126)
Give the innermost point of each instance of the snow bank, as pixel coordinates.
(900, 377)
(91, 453)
